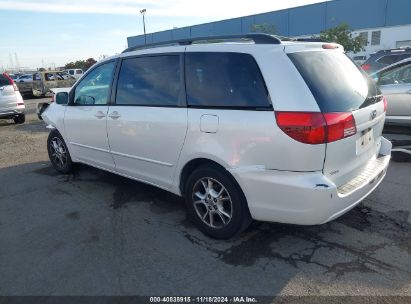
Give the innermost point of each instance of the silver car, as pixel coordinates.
(395, 83)
(11, 103)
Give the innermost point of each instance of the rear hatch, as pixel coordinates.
(7, 93)
(342, 91)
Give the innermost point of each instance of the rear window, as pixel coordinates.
(225, 80)
(390, 59)
(334, 80)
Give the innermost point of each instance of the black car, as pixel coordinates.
(384, 58)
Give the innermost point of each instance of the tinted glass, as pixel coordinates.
(224, 80)
(95, 87)
(390, 59)
(335, 82)
(4, 81)
(149, 81)
(399, 75)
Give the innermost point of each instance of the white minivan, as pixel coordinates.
(253, 128)
(76, 73)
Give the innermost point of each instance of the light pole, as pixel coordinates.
(143, 12)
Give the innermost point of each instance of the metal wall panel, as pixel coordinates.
(247, 23)
(398, 12)
(358, 14)
(227, 27)
(307, 20)
(202, 30)
(181, 33)
(279, 19)
(163, 36)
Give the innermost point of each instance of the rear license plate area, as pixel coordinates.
(365, 141)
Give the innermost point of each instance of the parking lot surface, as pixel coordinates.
(95, 233)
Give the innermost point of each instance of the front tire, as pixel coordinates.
(58, 153)
(215, 203)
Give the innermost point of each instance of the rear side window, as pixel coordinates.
(224, 80)
(390, 59)
(149, 81)
(4, 81)
(335, 82)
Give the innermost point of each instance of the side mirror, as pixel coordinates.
(62, 98)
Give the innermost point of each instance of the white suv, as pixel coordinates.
(259, 128)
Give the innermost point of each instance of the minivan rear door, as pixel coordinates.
(340, 87)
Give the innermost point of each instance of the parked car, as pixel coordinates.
(11, 103)
(25, 78)
(44, 81)
(273, 130)
(76, 73)
(360, 59)
(384, 58)
(395, 83)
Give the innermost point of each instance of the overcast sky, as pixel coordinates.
(54, 32)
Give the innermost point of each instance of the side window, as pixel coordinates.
(94, 88)
(390, 59)
(71, 72)
(149, 81)
(224, 80)
(400, 75)
(49, 76)
(37, 76)
(78, 72)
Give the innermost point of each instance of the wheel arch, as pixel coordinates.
(195, 163)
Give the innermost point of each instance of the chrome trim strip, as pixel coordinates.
(89, 147)
(143, 159)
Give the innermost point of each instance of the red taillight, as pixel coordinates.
(384, 99)
(11, 82)
(316, 128)
(339, 126)
(304, 127)
(366, 67)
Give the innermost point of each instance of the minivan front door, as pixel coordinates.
(86, 117)
(148, 123)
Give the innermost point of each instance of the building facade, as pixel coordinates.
(385, 24)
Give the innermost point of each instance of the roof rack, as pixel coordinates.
(257, 38)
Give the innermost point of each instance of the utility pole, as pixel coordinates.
(143, 12)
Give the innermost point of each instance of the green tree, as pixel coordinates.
(342, 34)
(81, 64)
(264, 28)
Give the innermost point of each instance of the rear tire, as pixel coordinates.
(215, 203)
(58, 153)
(20, 119)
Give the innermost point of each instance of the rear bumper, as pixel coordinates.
(10, 113)
(309, 198)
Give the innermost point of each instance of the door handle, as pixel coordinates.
(100, 115)
(114, 115)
